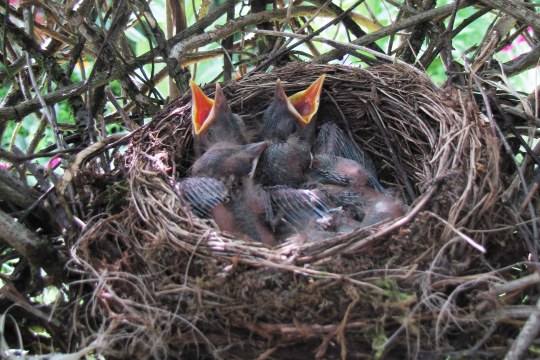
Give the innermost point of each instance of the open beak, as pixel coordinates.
(306, 103)
(204, 109)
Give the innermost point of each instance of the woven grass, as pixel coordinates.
(160, 282)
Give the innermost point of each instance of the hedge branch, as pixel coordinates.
(36, 249)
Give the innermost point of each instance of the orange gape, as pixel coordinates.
(201, 108)
(306, 102)
(213, 121)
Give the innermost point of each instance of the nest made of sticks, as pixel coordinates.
(161, 282)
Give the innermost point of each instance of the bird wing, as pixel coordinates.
(333, 141)
(202, 194)
(300, 207)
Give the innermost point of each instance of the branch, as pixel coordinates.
(180, 49)
(21, 110)
(523, 62)
(47, 63)
(14, 192)
(347, 21)
(519, 12)
(442, 11)
(417, 37)
(31, 246)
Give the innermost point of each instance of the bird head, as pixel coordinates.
(287, 116)
(213, 120)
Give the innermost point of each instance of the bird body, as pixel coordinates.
(203, 194)
(285, 162)
(332, 141)
(330, 169)
(348, 185)
(253, 212)
(246, 210)
(289, 124)
(223, 156)
(307, 213)
(380, 207)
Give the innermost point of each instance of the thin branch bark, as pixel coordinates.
(31, 246)
(180, 49)
(15, 192)
(519, 12)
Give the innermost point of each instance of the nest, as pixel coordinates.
(163, 283)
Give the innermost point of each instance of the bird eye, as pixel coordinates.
(293, 127)
(210, 135)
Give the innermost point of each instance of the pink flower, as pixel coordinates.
(53, 163)
(40, 17)
(5, 166)
(508, 48)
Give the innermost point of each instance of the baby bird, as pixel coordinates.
(289, 123)
(348, 185)
(332, 141)
(222, 186)
(302, 213)
(227, 161)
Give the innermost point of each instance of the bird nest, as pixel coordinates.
(159, 281)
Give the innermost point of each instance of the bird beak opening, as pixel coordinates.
(203, 109)
(306, 103)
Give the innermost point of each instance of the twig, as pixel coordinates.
(465, 237)
(418, 34)
(411, 192)
(337, 44)
(430, 55)
(347, 21)
(180, 49)
(20, 158)
(283, 51)
(227, 45)
(358, 246)
(522, 63)
(526, 336)
(533, 247)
